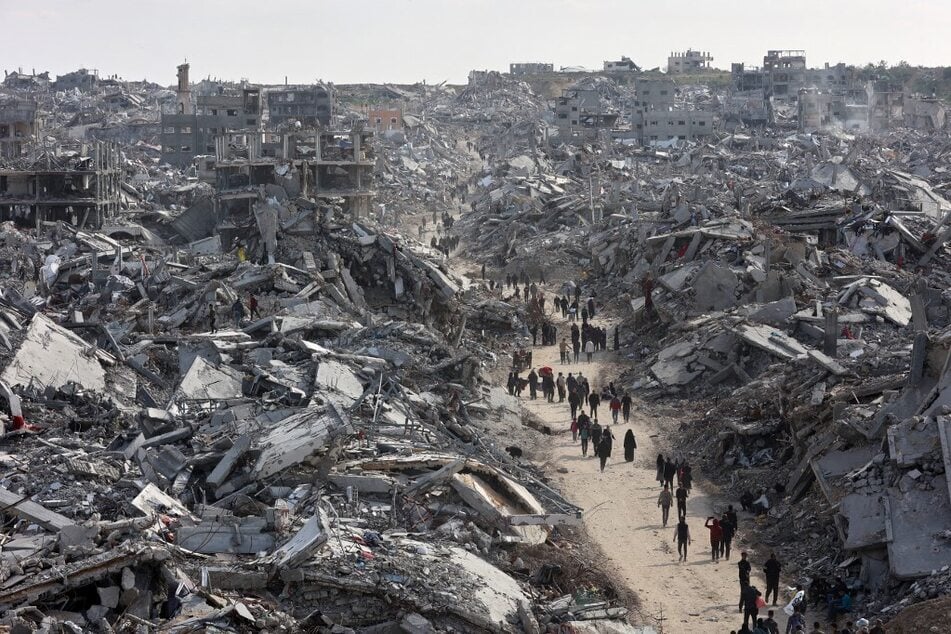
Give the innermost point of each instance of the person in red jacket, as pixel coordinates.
(716, 534)
(615, 408)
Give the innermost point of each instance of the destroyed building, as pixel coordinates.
(81, 79)
(689, 61)
(310, 105)
(530, 68)
(319, 164)
(19, 126)
(580, 112)
(383, 118)
(624, 65)
(784, 74)
(81, 186)
(190, 131)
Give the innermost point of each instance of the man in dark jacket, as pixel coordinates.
(533, 384)
(574, 400)
(772, 570)
(670, 470)
(594, 400)
(745, 568)
(728, 531)
(605, 446)
(681, 495)
(750, 609)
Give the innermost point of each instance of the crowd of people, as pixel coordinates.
(586, 403)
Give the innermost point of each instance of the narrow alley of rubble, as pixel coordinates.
(622, 517)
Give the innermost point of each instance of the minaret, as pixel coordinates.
(184, 104)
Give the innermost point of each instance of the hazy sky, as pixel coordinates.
(405, 41)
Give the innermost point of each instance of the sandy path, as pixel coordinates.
(622, 516)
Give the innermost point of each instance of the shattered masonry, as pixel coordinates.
(328, 456)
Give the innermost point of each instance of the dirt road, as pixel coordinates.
(622, 516)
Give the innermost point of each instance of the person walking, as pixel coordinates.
(681, 495)
(630, 444)
(745, 569)
(670, 470)
(716, 534)
(605, 446)
(772, 570)
(512, 383)
(561, 385)
(589, 349)
(728, 531)
(595, 435)
(576, 345)
(563, 348)
(750, 604)
(796, 622)
(682, 535)
(253, 306)
(660, 470)
(548, 386)
(772, 627)
(664, 501)
(237, 312)
(626, 408)
(574, 400)
(615, 406)
(593, 401)
(574, 430)
(533, 384)
(584, 432)
(213, 318)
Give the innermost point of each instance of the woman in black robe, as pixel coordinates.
(629, 446)
(604, 446)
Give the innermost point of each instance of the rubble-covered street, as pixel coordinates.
(269, 352)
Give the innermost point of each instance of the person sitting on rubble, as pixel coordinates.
(842, 604)
(761, 504)
(746, 501)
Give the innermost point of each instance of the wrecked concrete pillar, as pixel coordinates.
(830, 342)
(919, 353)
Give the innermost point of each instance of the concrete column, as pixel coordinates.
(919, 353)
(830, 342)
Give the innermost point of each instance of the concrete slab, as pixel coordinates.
(673, 364)
(677, 279)
(294, 439)
(493, 597)
(912, 440)
(54, 356)
(714, 288)
(774, 313)
(302, 545)
(916, 521)
(865, 515)
(205, 382)
(336, 379)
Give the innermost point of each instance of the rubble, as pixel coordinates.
(328, 455)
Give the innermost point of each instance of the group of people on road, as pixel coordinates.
(585, 403)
